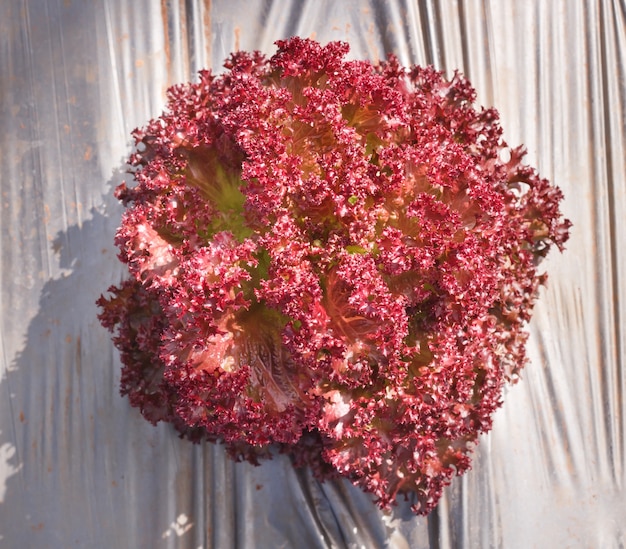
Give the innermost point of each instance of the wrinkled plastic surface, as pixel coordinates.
(80, 468)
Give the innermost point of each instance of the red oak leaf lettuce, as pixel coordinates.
(331, 256)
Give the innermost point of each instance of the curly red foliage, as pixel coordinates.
(334, 257)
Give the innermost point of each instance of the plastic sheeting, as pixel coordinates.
(80, 468)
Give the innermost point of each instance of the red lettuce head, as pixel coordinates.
(331, 256)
